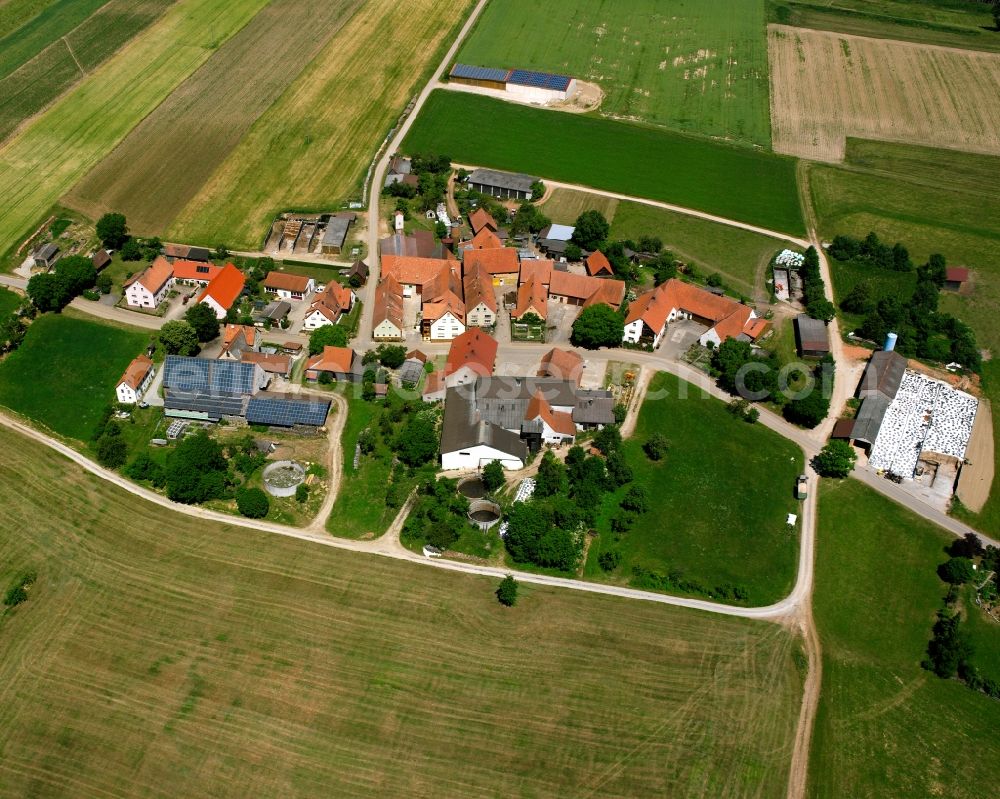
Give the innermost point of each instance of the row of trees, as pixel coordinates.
(70, 277)
(813, 290)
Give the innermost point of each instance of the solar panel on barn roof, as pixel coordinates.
(469, 72)
(287, 411)
(539, 80)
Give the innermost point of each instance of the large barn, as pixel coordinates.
(523, 84)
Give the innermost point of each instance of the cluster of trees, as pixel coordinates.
(70, 277)
(112, 230)
(18, 591)
(327, 336)
(548, 529)
(439, 515)
(598, 326)
(432, 173)
(743, 372)
(13, 327)
(836, 459)
(813, 406)
(813, 290)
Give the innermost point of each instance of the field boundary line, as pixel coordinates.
(73, 56)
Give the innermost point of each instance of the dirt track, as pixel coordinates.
(827, 86)
(977, 477)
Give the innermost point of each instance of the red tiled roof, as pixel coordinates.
(225, 287)
(478, 289)
(485, 239)
(230, 332)
(474, 349)
(285, 281)
(560, 421)
(155, 277)
(416, 355)
(583, 287)
(499, 261)
(956, 274)
(275, 364)
(388, 304)
(481, 218)
(331, 302)
(598, 264)
(195, 270)
(564, 364)
(538, 269)
(756, 327)
(729, 317)
(609, 292)
(136, 372)
(411, 270)
(448, 302)
(532, 298)
(332, 359)
(434, 383)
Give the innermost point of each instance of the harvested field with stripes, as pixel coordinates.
(56, 149)
(169, 156)
(828, 86)
(161, 654)
(312, 148)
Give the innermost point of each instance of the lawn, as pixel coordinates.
(949, 23)
(312, 148)
(886, 727)
(152, 174)
(35, 84)
(641, 161)
(564, 206)
(696, 66)
(718, 500)
(9, 301)
(158, 654)
(65, 372)
(63, 143)
(738, 255)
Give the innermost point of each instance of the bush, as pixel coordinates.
(636, 500)
(252, 503)
(656, 447)
(956, 571)
(609, 560)
(301, 493)
(493, 476)
(836, 459)
(112, 449)
(507, 591)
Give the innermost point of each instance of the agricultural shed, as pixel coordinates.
(955, 277)
(483, 77)
(811, 337)
(336, 234)
(506, 185)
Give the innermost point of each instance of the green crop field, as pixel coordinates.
(718, 500)
(886, 727)
(155, 171)
(39, 81)
(34, 35)
(159, 654)
(63, 143)
(640, 161)
(9, 301)
(65, 372)
(696, 66)
(740, 256)
(15, 13)
(311, 150)
(949, 23)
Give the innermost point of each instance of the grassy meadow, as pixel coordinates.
(37, 82)
(564, 206)
(695, 66)
(155, 171)
(717, 501)
(738, 255)
(885, 726)
(65, 372)
(641, 161)
(9, 301)
(158, 654)
(61, 145)
(312, 148)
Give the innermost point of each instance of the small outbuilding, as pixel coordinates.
(955, 277)
(46, 255)
(811, 337)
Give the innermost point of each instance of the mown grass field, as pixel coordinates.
(886, 727)
(312, 148)
(155, 171)
(9, 301)
(738, 255)
(717, 501)
(733, 182)
(949, 23)
(564, 206)
(699, 67)
(65, 372)
(36, 83)
(61, 145)
(161, 654)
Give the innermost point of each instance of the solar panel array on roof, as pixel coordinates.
(201, 375)
(283, 411)
(211, 406)
(539, 80)
(479, 73)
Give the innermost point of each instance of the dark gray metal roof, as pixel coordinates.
(883, 375)
(336, 231)
(869, 419)
(47, 251)
(557, 392)
(502, 180)
(812, 334)
(463, 427)
(594, 407)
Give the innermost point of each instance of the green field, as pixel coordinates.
(886, 727)
(63, 143)
(9, 301)
(37, 33)
(155, 171)
(35, 84)
(732, 182)
(65, 372)
(696, 66)
(949, 23)
(16, 13)
(717, 501)
(740, 256)
(159, 654)
(563, 206)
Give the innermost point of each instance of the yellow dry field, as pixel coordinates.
(312, 148)
(828, 86)
(158, 655)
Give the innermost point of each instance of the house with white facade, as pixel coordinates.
(136, 380)
(222, 293)
(286, 286)
(387, 314)
(469, 442)
(329, 306)
(150, 287)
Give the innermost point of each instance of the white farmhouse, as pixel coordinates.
(136, 380)
(149, 288)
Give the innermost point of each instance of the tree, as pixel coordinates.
(327, 336)
(203, 321)
(573, 252)
(956, 571)
(528, 219)
(103, 283)
(591, 230)
(656, 447)
(996, 14)
(621, 412)
(821, 308)
(969, 546)
(950, 648)
(507, 591)
(664, 266)
(112, 230)
(636, 500)
(391, 356)
(221, 253)
(836, 459)
(809, 410)
(131, 251)
(493, 476)
(179, 338)
(252, 503)
(196, 469)
(112, 449)
(301, 493)
(47, 292)
(417, 443)
(861, 299)
(551, 477)
(143, 467)
(598, 326)
(728, 359)
(619, 472)
(537, 190)
(608, 439)
(609, 560)
(714, 280)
